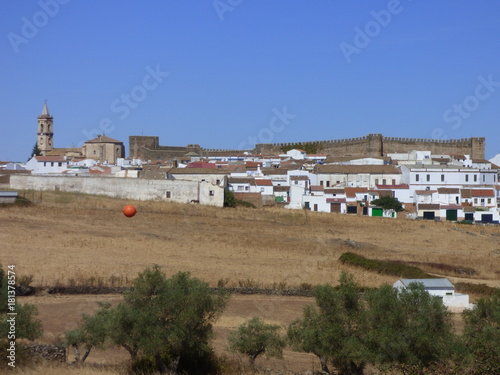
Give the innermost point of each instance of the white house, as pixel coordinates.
(264, 186)
(367, 176)
(47, 164)
(242, 184)
(441, 288)
(296, 154)
(423, 177)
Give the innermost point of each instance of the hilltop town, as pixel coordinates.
(433, 179)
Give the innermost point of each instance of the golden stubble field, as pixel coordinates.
(71, 239)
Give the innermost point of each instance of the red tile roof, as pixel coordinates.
(482, 193)
(201, 164)
(351, 192)
(49, 158)
(263, 182)
(317, 188)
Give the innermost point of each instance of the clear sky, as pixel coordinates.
(231, 73)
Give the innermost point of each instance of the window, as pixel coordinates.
(376, 181)
(217, 182)
(247, 188)
(417, 177)
(442, 178)
(394, 181)
(327, 183)
(384, 181)
(475, 178)
(168, 194)
(482, 201)
(240, 187)
(59, 164)
(428, 178)
(321, 183)
(484, 177)
(489, 200)
(44, 163)
(475, 200)
(211, 193)
(52, 164)
(262, 189)
(296, 182)
(466, 178)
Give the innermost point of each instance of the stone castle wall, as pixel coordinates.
(148, 148)
(378, 145)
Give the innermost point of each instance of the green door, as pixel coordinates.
(451, 215)
(377, 212)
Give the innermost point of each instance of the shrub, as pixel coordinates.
(384, 266)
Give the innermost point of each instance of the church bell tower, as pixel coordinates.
(45, 139)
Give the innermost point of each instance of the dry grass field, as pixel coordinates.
(71, 239)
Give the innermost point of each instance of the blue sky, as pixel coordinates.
(230, 73)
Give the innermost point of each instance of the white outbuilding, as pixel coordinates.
(441, 288)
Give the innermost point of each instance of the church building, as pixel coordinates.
(103, 149)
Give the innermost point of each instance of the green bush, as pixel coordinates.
(385, 267)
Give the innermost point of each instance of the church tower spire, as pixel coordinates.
(45, 132)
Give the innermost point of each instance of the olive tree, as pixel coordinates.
(254, 338)
(482, 335)
(407, 328)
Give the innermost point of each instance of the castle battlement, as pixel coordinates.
(148, 148)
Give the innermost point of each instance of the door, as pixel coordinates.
(451, 215)
(469, 216)
(352, 209)
(377, 212)
(335, 207)
(486, 218)
(429, 215)
(315, 207)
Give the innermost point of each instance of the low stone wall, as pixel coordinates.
(46, 351)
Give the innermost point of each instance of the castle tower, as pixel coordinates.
(45, 132)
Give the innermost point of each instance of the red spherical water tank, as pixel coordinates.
(129, 210)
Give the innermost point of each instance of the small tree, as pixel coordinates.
(229, 199)
(309, 335)
(408, 328)
(92, 332)
(334, 331)
(254, 338)
(482, 335)
(388, 203)
(35, 151)
(170, 319)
